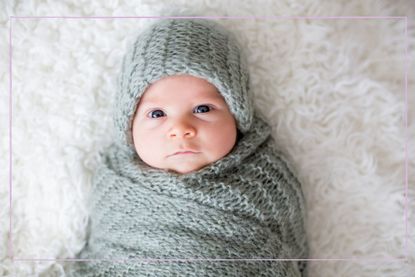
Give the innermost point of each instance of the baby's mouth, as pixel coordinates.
(184, 153)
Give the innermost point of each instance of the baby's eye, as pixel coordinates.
(203, 108)
(156, 113)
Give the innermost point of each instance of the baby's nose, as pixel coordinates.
(182, 130)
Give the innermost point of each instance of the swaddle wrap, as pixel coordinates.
(247, 205)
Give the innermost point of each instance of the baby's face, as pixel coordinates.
(183, 113)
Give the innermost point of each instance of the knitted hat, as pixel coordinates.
(197, 47)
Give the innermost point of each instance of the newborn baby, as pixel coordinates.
(193, 184)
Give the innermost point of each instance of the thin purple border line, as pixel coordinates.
(213, 260)
(10, 246)
(210, 17)
(213, 17)
(406, 138)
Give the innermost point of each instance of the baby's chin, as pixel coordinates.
(185, 168)
(185, 165)
(182, 164)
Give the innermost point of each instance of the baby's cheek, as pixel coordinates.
(146, 140)
(227, 137)
(141, 139)
(149, 149)
(146, 130)
(219, 139)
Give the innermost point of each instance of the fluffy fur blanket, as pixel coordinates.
(334, 90)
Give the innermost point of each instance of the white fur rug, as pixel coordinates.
(333, 89)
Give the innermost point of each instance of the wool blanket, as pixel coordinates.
(248, 205)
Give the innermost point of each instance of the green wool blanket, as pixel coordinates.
(248, 205)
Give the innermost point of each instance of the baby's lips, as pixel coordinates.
(184, 152)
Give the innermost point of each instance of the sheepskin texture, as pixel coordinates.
(332, 89)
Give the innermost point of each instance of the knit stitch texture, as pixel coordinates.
(247, 205)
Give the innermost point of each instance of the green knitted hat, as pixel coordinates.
(198, 47)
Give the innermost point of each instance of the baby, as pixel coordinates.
(193, 175)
